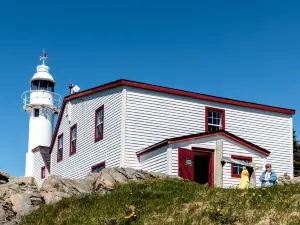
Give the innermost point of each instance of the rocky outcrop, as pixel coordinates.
(286, 179)
(19, 196)
(4, 177)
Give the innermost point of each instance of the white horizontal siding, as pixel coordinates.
(232, 148)
(37, 165)
(152, 117)
(88, 151)
(156, 163)
(209, 143)
(229, 148)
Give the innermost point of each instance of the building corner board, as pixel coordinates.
(123, 128)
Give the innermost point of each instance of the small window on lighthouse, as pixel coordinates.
(36, 112)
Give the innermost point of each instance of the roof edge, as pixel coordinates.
(162, 89)
(204, 135)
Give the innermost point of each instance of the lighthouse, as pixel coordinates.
(42, 104)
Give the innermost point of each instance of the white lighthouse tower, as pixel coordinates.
(42, 104)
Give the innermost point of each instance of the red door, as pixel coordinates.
(186, 163)
(211, 169)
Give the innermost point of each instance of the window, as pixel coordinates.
(214, 119)
(97, 168)
(99, 120)
(36, 112)
(60, 148)
(43, 85)
(43, 172)
(236, 169)
(73, 139)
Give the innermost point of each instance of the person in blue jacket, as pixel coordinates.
(268, 177)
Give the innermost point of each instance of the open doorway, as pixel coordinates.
(196, 164)
(201, 168)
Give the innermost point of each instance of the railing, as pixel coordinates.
(47, 99)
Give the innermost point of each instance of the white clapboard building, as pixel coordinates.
(124, 123)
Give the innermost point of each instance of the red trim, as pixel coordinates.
(238, 157)
(38, 149)
(204, 135)
(45, 163)
(71, 151)
(96, 117)
(62, 154)
(217, 110)
(203, 150)
(164, 90)
(35, 149)
(98, 165)
(42, 174)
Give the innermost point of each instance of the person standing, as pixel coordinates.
(268, 177)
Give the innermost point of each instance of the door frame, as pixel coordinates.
(211, 162)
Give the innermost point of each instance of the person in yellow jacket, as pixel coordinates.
(244, 183)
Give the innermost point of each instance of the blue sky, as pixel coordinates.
(243, 50)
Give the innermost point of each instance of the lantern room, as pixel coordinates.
(42, 79)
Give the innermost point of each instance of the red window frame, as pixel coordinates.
(96, 118)
(43, 172)
(97, 165)
(73, 151)
(240, 158)
(222, 111)
(58, 142)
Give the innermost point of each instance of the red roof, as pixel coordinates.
(205, 135)
(168, 91)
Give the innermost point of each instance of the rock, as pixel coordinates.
(21, 203)
(119, 177)
(59, 184)
(295, 180)
(83, 186)
(25, 181)
(104, 181)
(2, 214)
(4, 176)
(286, 179)
(36, 201)
(53, 197)
(19, 196)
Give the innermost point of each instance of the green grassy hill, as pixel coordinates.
(175, 202)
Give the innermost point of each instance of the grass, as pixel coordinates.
(175, 202)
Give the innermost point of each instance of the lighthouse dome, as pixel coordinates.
(42, 74)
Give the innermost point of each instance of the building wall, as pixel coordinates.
(156, 161)
(38, 164)
(209, 143)
(89, 153)
(152, 117)
(231, 148)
